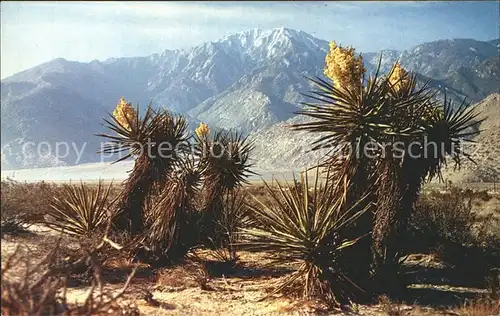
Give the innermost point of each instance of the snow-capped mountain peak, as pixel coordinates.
(250, 81)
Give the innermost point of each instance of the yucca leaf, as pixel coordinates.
(82, 211)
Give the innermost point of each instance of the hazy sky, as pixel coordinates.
(36, 32)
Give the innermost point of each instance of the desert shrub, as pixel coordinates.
(40, 288)
(445, 225)
(308, 228)
(26, 201)
(479, 307)
(439, 221)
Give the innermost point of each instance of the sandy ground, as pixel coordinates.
(175, 291)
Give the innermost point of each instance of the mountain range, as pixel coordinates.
(250, 81)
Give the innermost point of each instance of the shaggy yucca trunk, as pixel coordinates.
(133, 197)
(171, 217)
(388, 221)
(212, 212)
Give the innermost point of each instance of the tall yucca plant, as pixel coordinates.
(410, 102)
(224, 158)
(309, 226)
(387, 109)
(157, 141)
(351, 119)
(444, 128)
(82, 210)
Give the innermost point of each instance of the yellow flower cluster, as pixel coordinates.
(124, 110)
(202, 130)
(344, 68)
(399, 77)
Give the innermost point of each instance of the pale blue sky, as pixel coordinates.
(36, 32)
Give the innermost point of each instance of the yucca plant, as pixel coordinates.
(351, 118)
(224, 158)
(446, 128)
(385, 109)
(411, 101)
(82, 210)
(443, 129)
(157, 141)
(308, 225)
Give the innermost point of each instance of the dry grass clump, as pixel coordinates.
(41, 288)
(23, 204)
(13, 224)
(390, 308)
(479, 307)
(192, 273)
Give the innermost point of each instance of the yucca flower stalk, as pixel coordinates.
(344, 68)
(124, 113)
(202, 131)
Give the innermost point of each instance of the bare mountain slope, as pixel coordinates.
(486, 151)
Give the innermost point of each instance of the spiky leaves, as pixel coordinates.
(131, 132)
(224, 158)
(350, 116)
(445, 131)
(234, 217)
(159, 134)
(82, 211)
(308, 226)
